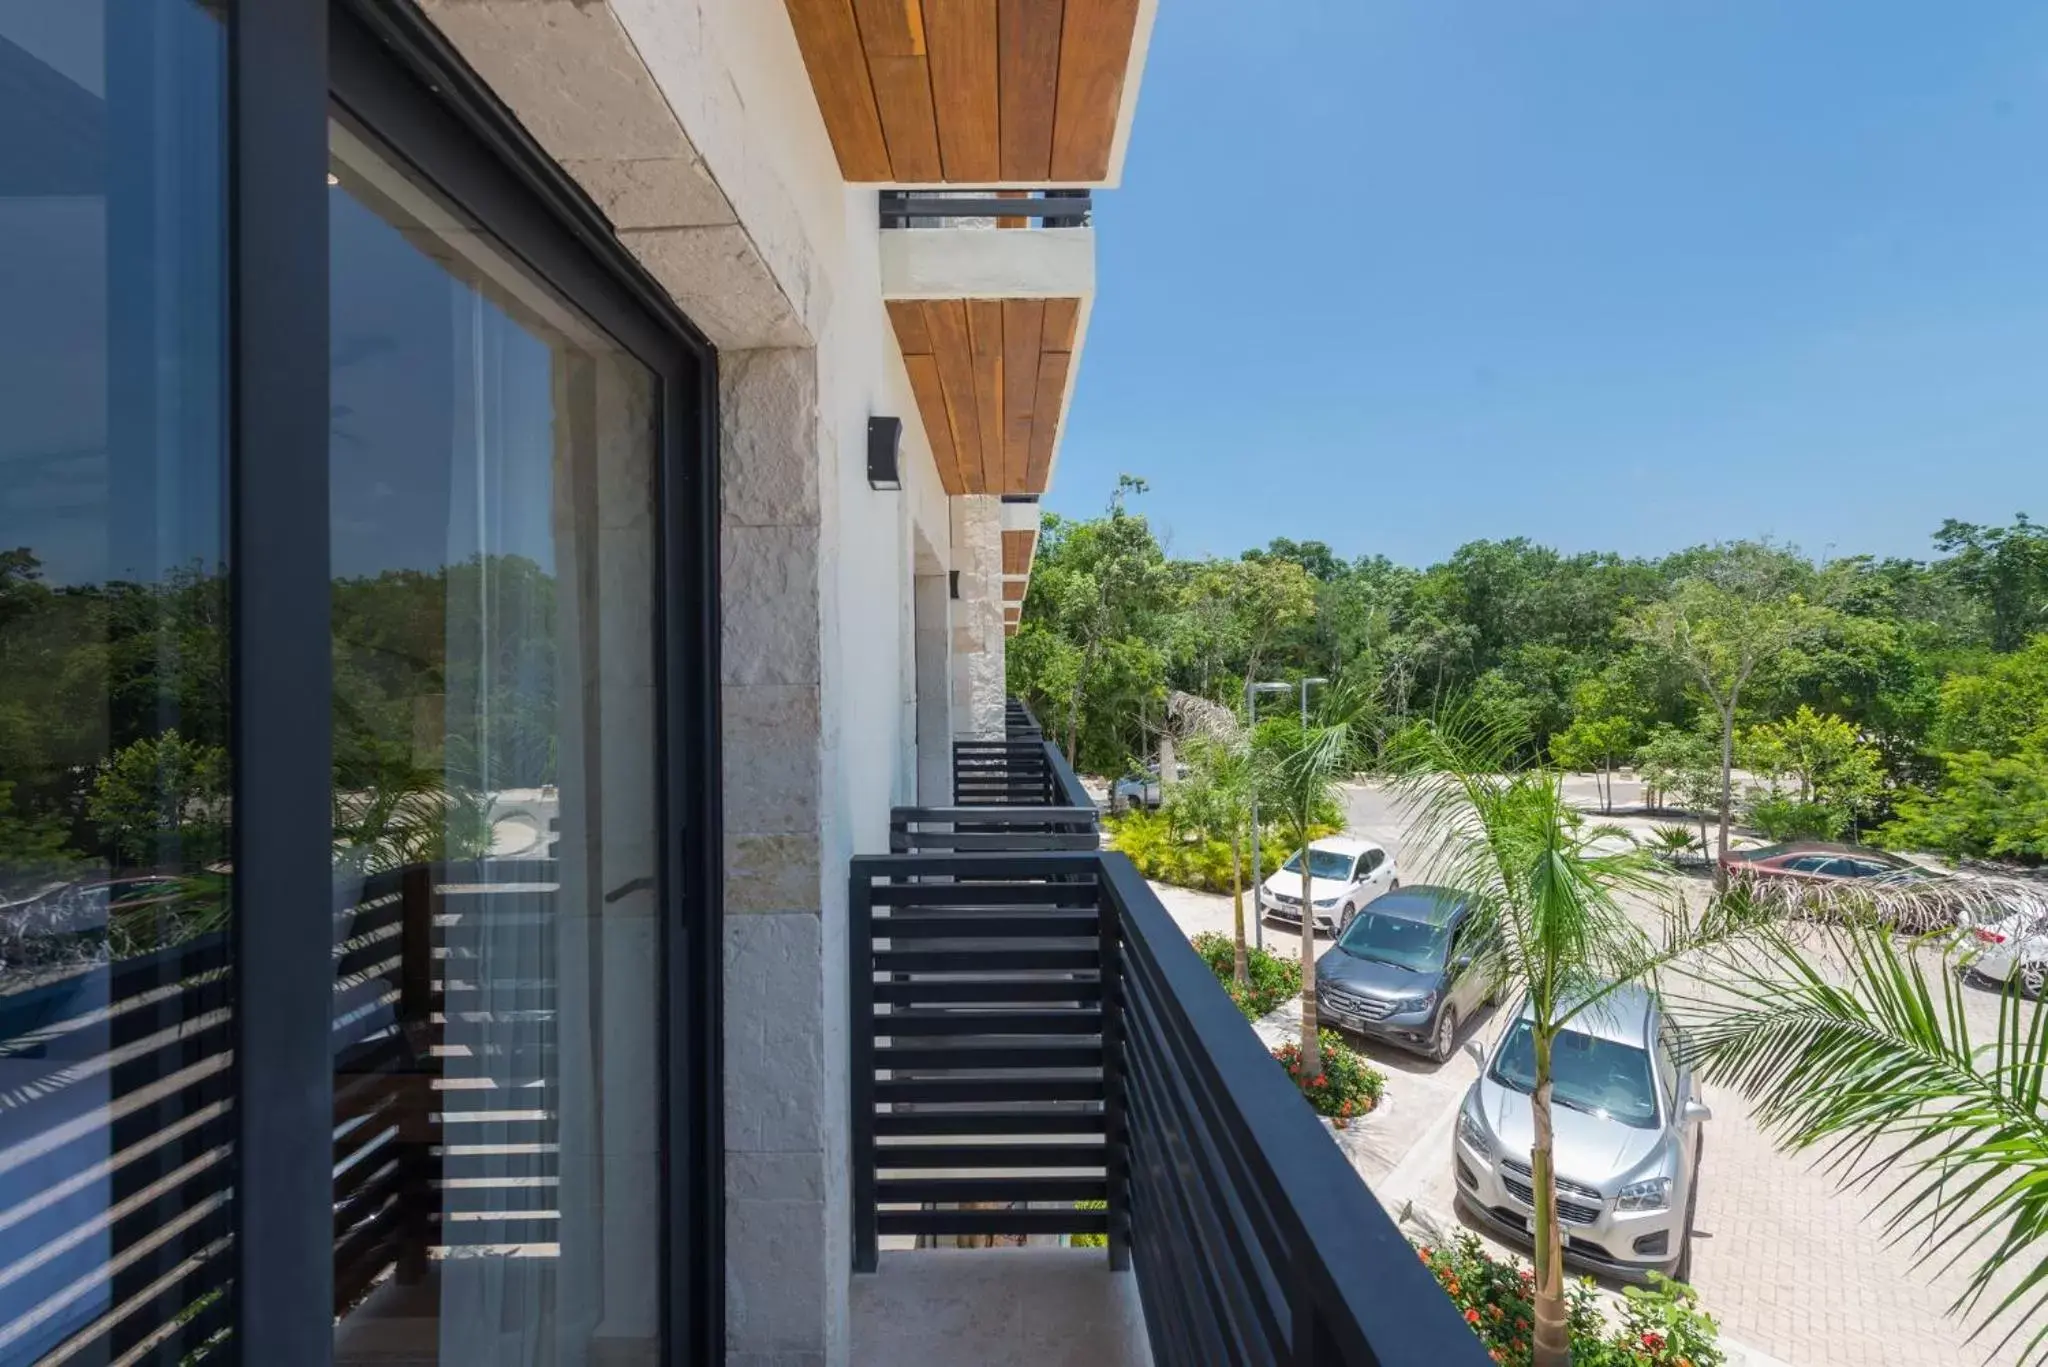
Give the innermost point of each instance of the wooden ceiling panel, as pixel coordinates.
(968, 91)
(1017, 551)
(961, 44)
(1061, 318)
(1095, 50)
(985, 335)
(1045, 424)
(830, 40)
(946, 320)
(988, 387)
(1028, 71)
(1013, 590)
(1022, 324)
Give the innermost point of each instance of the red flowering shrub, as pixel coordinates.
(1660, 1327)
(1347, 1087)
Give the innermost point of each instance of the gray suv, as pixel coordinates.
(1627, 1125)
(1410, 966)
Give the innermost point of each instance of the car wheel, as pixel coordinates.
(1446, 1042)
(2033, 977)
(1681, 1271)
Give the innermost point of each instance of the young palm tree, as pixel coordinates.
(1549, 895)
(1219, 802)
(1301, 771)
(1857, 1042)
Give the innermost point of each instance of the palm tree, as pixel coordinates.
(1856, 1042)
(1548, 894)
(1219, 801)
(1302, 768)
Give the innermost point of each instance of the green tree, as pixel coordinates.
(1830, 765)
(1738, 612)
(2006, 570)
(1606, 727)
(1301, 769)
(1226, 773)
(1681, 765)
(162, 800)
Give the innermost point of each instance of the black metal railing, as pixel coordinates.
(1031, 1032)
(1021, 768)
(948, 208)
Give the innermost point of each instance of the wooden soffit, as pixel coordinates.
(990, 377)
(1017, 548)
(972, 91)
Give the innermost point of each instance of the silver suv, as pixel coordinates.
(1628, 1127)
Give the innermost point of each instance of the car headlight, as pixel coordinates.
(1654, 1194)
(1408, 1006)
(1474, 1134)
(1325, 903)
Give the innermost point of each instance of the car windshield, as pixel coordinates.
(1599, 1076)
(1396, 940)
(1322, 864)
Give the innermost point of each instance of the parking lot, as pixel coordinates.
(1793, 1268)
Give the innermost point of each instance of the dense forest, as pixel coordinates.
(1893, 699)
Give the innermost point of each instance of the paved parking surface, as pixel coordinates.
(1789, 1264)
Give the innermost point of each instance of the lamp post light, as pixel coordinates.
(1314, 679)
(1251, 713)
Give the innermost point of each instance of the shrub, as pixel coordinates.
(1347, 1087)
(1167, 854)
(1274, 979)
(1780, 816)
(1660, 1327)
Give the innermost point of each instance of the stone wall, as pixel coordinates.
(979, 687)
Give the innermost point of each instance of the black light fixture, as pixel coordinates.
(885, 450)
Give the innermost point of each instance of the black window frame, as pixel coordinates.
(385, 63)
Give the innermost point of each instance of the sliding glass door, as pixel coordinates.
(492, 494)
(358, 941)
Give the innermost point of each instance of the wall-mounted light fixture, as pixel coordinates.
(953, 585)
(885, 450)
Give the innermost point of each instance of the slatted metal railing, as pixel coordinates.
(956, 208)
(1032, 1030)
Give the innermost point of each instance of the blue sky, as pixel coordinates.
(1625, 274)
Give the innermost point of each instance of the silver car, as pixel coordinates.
(1627, 1125)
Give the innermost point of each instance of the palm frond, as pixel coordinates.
(1854, 1043)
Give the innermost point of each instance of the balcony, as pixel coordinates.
(1037, 1055)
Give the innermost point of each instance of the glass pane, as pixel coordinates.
(496, 947)
(115, 1073)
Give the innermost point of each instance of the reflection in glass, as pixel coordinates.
(493, 598)
(115, 1071)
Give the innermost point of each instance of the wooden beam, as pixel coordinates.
(1013, 590)
(947, 321)
(1045, 425)
(961, 45)
(1017, 551)
(893, 33)
(1022, 322)
(938, 426)
(1062, 316)
(1029, 74)
(985, 335)
(829, 39)
(1095, 53)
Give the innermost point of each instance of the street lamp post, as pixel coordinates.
(1313, 679)
(1251, 713)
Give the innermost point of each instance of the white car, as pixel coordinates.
(1344, 874)
(2014, 946)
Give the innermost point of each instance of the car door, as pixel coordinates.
(1372, 874)
(1465, 988)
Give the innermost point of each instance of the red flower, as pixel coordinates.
(1471, 1317)
(1321, 1080)
(1422, 1253)
(1653, 1341)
